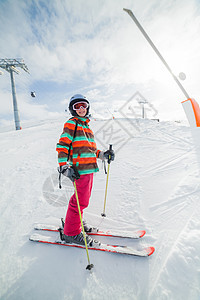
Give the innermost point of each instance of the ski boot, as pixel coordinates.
(78, 239)
(89, 228)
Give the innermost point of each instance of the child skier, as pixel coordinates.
(77, 158)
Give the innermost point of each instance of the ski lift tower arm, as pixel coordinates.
(156, 50)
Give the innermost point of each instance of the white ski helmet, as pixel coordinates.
(77, 98)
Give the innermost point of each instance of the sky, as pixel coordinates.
(93, 47)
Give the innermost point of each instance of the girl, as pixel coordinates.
(77, 158)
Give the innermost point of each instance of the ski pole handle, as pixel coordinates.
(109, 158)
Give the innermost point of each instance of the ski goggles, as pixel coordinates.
(78, 105)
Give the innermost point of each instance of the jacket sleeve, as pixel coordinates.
(97, 153)
(64, 142)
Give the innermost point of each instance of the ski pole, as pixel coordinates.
(156, 50)
(104, 207)
(89, 266)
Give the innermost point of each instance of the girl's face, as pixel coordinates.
(81, 112)
(81, 108)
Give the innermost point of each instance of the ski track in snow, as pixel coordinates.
(153, 185)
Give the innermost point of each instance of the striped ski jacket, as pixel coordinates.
(83, 152)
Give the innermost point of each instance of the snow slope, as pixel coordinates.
(153, 185)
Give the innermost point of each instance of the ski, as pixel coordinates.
(108, 233)
(103, 247)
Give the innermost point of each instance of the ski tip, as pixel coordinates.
(141, 233)
(150, 250)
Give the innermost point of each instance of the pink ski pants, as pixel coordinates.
(72, 220)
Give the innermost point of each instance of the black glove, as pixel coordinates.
(109, 155)
(70, 172)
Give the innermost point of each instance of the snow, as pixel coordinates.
(153, 185)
